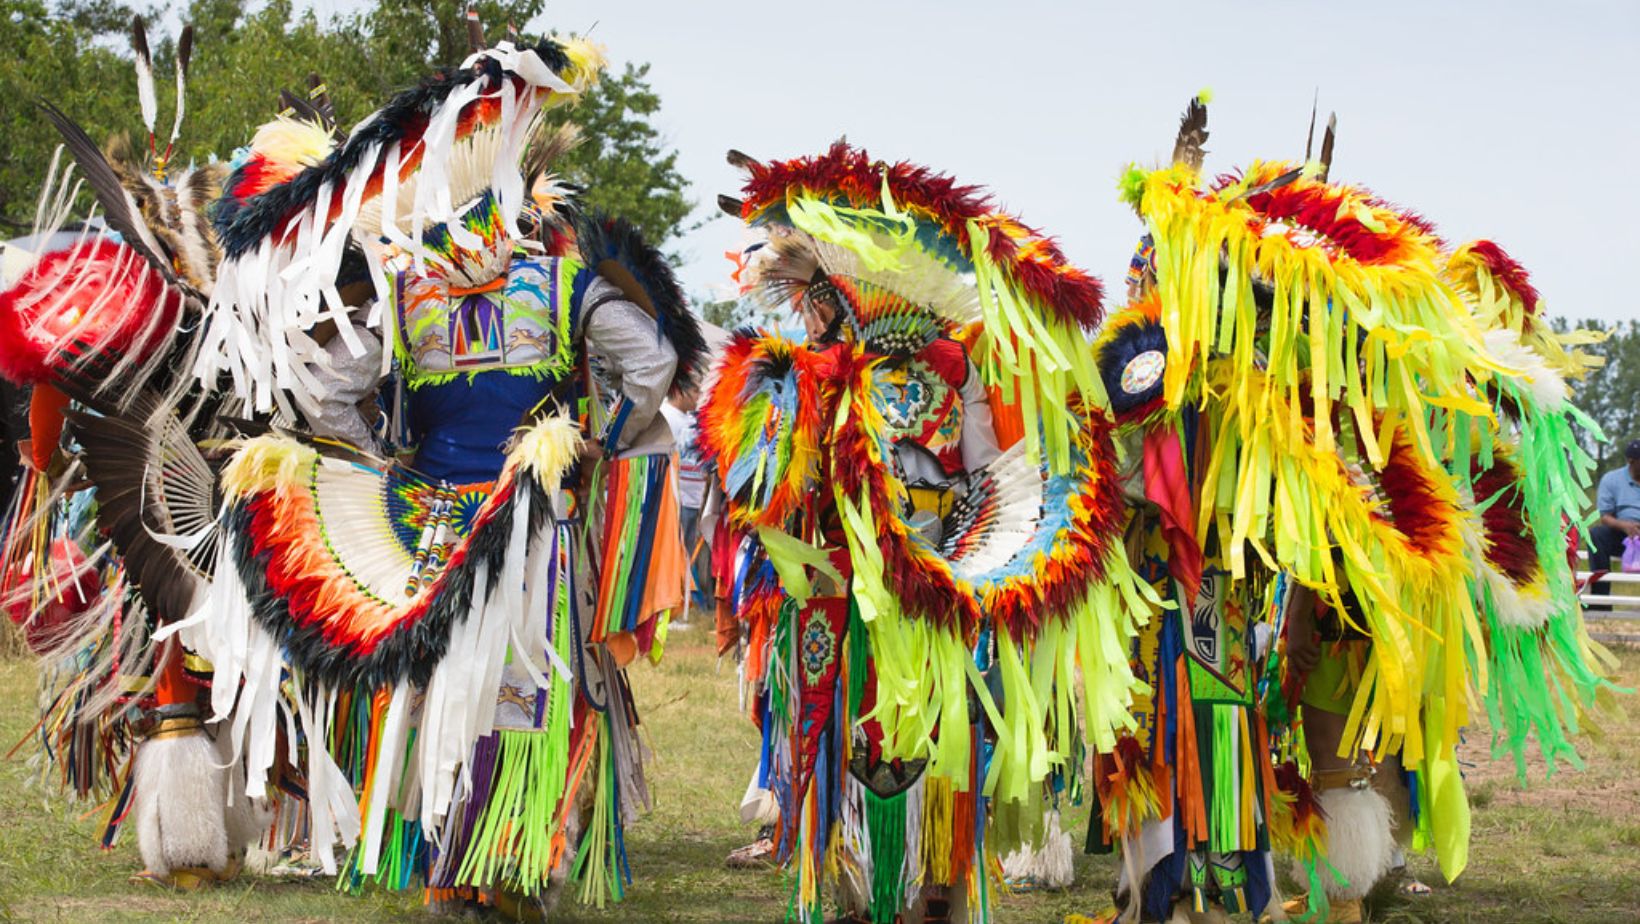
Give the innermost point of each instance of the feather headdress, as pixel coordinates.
(1325, 287)
(891, 241)
(106, 316)
(284, 241)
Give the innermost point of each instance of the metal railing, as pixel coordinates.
(1622, 598)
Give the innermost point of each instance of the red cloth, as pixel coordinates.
(1167, 485)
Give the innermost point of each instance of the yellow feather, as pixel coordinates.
(265, 463)
(547, 449)
(292, 143)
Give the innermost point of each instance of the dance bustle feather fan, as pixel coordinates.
(334, 608)
(156, 497)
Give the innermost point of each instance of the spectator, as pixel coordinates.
(1618, 503)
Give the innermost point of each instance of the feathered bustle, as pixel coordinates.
(601, 238)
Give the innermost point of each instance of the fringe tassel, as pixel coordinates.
(886, 826)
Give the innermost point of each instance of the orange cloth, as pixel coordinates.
(668, 560)
(171, 684)
(45, 423)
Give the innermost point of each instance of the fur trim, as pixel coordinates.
(1136, 331)
(180, 794)
(1049, 863)
(1547, 385)
(1360, 840)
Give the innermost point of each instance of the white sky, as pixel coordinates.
(1512, 120)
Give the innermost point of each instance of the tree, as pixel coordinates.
(405, 36)
(74, 55)
(746, 311)
(1610, 395)
(55, 57)
(622, 163)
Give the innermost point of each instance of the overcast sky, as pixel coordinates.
(1517, 121)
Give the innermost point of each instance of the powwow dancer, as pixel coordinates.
(926, 602)
(455, 628)
(1318, 401)
(110, 535)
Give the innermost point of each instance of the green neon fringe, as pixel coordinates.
(885, 823)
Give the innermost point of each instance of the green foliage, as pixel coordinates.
(74, 55)
(623, 163)
(734, 313)
(53, 57)
(1611, 394)
(722, 313)
(407, 35)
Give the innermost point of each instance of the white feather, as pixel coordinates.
(1049, 863)
(182, 93)
(145, 92)
(1547, 385)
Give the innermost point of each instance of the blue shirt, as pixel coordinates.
(1619, 495)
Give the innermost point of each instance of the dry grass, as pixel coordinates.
(1566, 850)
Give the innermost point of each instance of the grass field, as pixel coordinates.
(1566, 850)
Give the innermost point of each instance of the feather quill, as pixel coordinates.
(1188, 148)
(185, 53)
(145, 74)
(1327, 146)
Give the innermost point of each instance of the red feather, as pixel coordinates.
(849, 174)
(1508, 271)
(98, 293)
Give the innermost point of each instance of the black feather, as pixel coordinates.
(742, 160)
(1327, 146)
(1189, 148)
(242, 226)
(185, 49)
(139, 40)
(600, 238)
(294, 107)
(117, 449)
(106, 186)
(1276, 183)
(730, 205)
